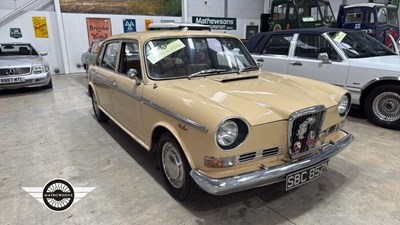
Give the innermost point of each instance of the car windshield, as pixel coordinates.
(198, 56)
(312, 11)
(16, 50)
(359, 44)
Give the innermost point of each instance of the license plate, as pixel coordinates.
(11, 80)
(305, 175)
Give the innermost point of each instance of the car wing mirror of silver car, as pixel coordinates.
(260, 62)
(133, 74)
(324, 58)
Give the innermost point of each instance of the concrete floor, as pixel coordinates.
(47, 134)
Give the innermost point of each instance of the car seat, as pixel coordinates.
(24, 51)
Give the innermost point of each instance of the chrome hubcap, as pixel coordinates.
(386, 106)
(173, 166)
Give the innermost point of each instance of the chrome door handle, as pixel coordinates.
(260, 60)
(114, 83)
(296, 63)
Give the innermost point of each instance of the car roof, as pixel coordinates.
(369, 5)
(260, 38)
(178, 26)
(146, 35)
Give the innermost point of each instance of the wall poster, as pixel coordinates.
(98, 28)
(147, 24)
(15, 33)
(40, 27)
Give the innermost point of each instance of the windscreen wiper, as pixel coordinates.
(203, 72)
(249, 68)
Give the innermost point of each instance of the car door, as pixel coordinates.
(274, 55)
(304, 62)
(102, 75)
(127, 97)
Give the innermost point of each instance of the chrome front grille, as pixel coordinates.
(15, 71)
(304, 128)
(259, 154)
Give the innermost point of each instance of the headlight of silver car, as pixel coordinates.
(344, 104)
(40, 68)
(231, 133)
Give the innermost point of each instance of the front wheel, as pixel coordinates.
(175, 169)
(382, 106)
(49, 85)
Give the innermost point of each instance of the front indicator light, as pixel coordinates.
(213, 162)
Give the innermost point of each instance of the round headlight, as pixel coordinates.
(227, 133)
(231, 133)
(344, 105)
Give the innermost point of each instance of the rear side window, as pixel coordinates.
(110, 56)
(278, 45)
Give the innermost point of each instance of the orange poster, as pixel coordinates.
(147, 23)
(98, 28)
(40, 27)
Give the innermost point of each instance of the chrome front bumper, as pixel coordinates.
(31, 80)
(222, 186)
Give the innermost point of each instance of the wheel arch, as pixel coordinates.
(161, 128)
(376, 83)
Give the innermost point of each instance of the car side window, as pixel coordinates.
(130, 58)
(310, 45)
(110, 56)
(278, 45)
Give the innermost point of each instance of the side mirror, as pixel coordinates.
(260, 62)
(133, 74)
(324, 58)
(43, 53)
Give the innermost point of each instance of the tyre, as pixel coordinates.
(382, 106)
(175, 169)
(100, 116)
(49, 85)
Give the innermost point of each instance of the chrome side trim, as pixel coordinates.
(265, 176)
(151, 104)
(176, 116)
(101, 79)
(126, 92)
(379, 79)
(116, 87)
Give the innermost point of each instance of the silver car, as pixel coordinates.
(22, 66)
(90, 55)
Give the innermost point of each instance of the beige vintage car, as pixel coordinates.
(218, 123)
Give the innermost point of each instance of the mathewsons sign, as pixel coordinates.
(216, 23)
